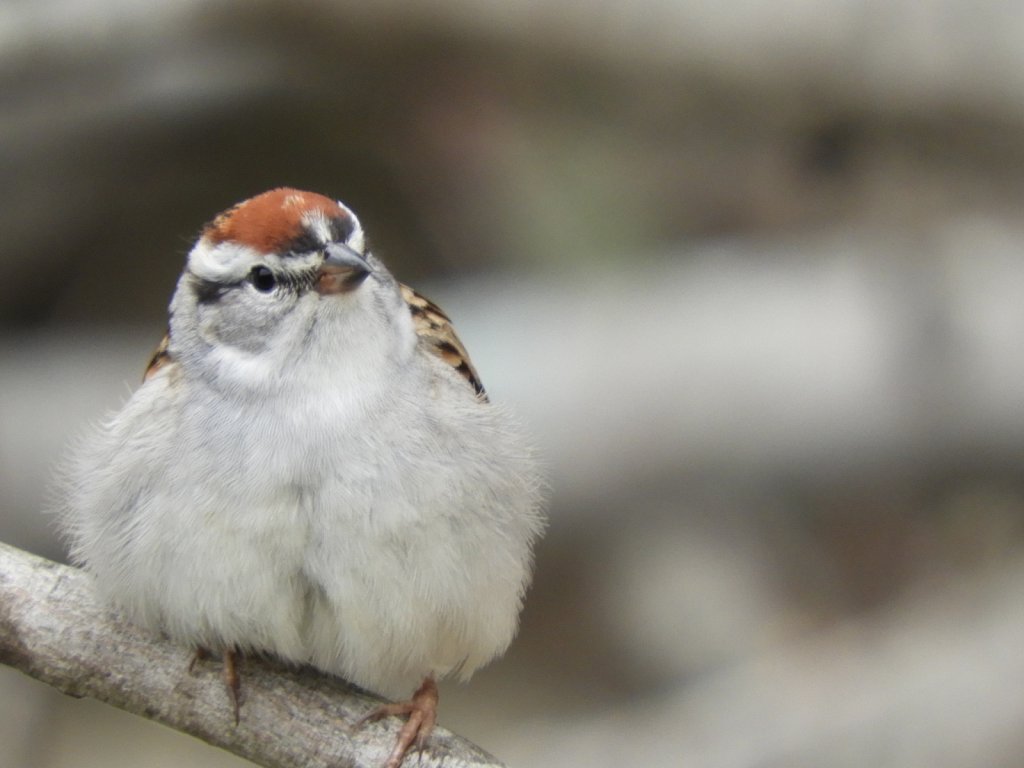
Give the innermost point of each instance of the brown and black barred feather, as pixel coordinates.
(431, 324)
(160, 358)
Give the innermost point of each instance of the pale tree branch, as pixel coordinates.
(52, 629)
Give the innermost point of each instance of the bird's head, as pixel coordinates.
(279, 278)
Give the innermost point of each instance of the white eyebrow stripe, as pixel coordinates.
(221, 262)
(227, 263)
(316, 223)
(356, 240)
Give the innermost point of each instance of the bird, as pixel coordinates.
(311, 469)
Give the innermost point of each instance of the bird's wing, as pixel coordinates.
(435, 329)
(160, 358)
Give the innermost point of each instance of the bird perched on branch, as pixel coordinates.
(312, 469)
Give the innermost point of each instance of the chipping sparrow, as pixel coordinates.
(310, 468)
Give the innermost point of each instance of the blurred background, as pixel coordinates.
(751, 272)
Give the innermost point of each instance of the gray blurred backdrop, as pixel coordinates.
(751, 271)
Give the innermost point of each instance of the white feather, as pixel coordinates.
(328, 492)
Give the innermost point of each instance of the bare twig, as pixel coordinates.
(52, 629)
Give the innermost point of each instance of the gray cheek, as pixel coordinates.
(243, 321)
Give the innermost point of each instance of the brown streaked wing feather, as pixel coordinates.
(160, 358)
(433, 326)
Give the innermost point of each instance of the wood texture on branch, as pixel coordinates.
(52, 629)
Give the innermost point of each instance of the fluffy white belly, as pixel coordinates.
(379, 592)
(381, 553)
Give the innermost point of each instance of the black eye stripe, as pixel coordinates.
(207, 291)
(340, 227)
(303, 243)
(211, 292)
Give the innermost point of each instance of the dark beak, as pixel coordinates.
(343, 270)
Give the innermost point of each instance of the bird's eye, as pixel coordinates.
(262, 279)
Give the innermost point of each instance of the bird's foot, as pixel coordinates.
(421, 711)
(232, 680)
(200, 654)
